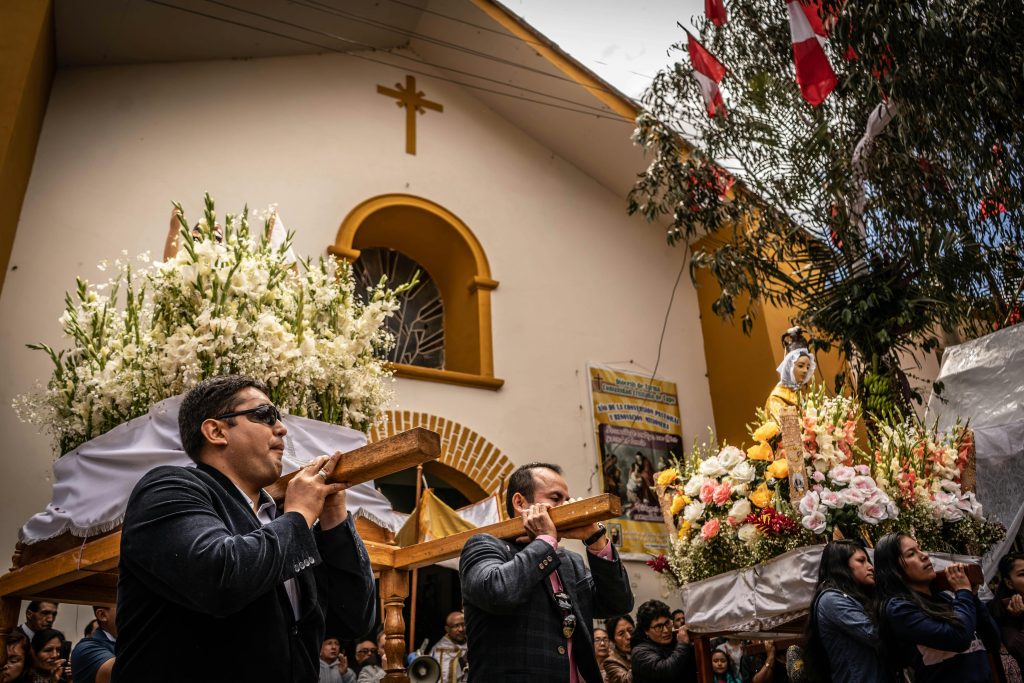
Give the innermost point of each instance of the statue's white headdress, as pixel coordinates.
(796, 346)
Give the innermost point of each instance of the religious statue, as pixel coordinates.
(795, 372)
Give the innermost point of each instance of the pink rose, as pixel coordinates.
(872, 513)
(831, 499)
(707, 490)
(864, 483)
(853, 496)
(817, 476)
(722, 494)
(863, 469)
(710, 529)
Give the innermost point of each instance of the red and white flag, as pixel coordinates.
(814, 74)
(709, 73)
(714, 10)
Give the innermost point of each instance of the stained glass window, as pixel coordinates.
(418, 324)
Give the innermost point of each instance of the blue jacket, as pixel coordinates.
(850, 639)
(940, 650)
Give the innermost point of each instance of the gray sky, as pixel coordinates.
(624, 42)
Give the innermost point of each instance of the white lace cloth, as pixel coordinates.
(92, 483)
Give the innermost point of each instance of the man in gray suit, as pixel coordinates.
(529, 605)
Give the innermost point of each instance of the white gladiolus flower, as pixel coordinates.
(236, 306)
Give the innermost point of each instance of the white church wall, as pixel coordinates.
(579, 280)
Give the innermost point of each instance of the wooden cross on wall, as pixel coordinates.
(413, 102)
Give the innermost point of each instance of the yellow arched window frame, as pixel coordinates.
(448, 250)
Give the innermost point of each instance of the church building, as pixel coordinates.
(449, 138)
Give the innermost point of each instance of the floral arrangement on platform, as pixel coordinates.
(228, 302)
(925, 471)
(725, 514)
(730, 509)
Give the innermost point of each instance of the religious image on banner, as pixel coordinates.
(638, 430)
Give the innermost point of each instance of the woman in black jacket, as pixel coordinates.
(659, 654)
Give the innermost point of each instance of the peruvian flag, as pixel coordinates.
(814, 74)
(709, 73)
(714, 10)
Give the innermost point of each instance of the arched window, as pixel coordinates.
(447, 251)
(418, 324)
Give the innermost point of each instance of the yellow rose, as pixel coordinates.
(778, 469)
(666, 477)
(760, 451)
(678, 503)
(684, 530)
(761, 496)
(766, 432)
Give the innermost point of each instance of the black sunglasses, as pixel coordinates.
(267, 414)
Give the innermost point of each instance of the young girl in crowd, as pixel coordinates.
(721, 668)
(842, 636)
(942, 638)
(1008, 606)
(618, 667)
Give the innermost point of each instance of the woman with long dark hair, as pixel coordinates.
(941, 637)
(44, 664)
(1008, 606)
(618, 668)
(843, 645)
(660, 653)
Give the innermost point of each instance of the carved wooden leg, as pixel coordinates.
(702, 651)
(8, 622)
(394, 588)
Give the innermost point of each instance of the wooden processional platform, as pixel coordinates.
(83, 571)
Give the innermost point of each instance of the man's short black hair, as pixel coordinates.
(677, 611)
(211, 397)
(34, 605)
(521, 481)
(645, 616)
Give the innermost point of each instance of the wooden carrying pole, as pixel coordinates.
(379, 459)
(569, 516)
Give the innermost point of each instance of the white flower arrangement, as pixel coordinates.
(228, 302)
(846, 497)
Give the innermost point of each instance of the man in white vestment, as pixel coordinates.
(450, 651)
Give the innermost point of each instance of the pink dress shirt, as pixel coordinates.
(556, 584)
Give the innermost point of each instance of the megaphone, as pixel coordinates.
(424, 669)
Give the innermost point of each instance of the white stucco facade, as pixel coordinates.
(579, 279)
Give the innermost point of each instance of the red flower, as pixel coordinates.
(658, 564)
(770, 521)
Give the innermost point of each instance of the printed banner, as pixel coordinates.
(637, 429)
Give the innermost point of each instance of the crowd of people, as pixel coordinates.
(210, 563)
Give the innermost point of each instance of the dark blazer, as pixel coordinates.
(200, 591)
(513, 624)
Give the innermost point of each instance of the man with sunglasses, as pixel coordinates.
(529, 604)
(209, 564)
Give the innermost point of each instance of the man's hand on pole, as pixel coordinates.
(308, 491)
